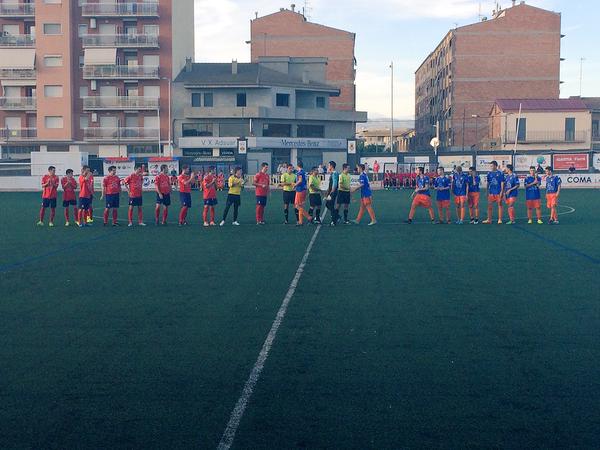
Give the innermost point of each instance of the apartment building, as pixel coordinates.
(93, 76)
(514, 54)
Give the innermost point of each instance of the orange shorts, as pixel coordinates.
(534, 204)
(510, 201)
(366, 201)
(460, 200)
(473, 199)
(300, 198)
(422, 200)
(443, 203)
(551, 200)
(494, 198)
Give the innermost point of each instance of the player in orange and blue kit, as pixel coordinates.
(185, 180)
(69, 184)
(533, 195)
(86, 190)
(162, 186)
(442, 187)
(511, 192)
(50, 184)
(135, 183)
(553, 187)
(421, 196)
(460, 189)
(111, 190)
(366, 196)
(209, 196)
(474, 182)
(495, 182)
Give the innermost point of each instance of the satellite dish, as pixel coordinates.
(435, 142)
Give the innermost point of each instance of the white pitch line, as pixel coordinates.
(242, 403)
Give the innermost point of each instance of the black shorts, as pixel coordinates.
(135, 201)
(343, 198)
(113, 200)
(233, 199)
(67, 203)
(49, 203)
(315, 200)
(166, 200)
(289, 197)
(261, 200)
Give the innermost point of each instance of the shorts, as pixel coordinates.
(261, 200)
(443, 203)
(423, 200)
(534, 204)
(67, 203)
(494, 198)
(210, 202)
(49, 203)
(135, 201)
(343, 198)
(366, 201)
(510, 201)
(473, 199)
(186, 199)
(85, 203)
(551, 200)
(166, 200)
(289, 197)
(315, 200)
(112, 200)
(300, 198)
(233, 199)
(330, 204)
(460, 200)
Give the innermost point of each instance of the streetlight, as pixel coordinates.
(392, 127)
(170, 144)
(476, 117)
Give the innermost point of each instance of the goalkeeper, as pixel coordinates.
(332, 192)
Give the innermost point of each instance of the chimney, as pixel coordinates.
(188, 64)
(234, 67)
(305, 78)
(293, 7)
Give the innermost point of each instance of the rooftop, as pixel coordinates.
(552, 104)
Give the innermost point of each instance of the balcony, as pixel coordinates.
(120, 134)
(120, 72)
(127, 9)
(17, 10)
(134, 103)
(120, 40)
(17, 74)
(17, 40)
(21, 134)
(18, 103)
(548, 137)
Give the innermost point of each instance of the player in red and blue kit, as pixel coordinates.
(553, 187)
(495, 182)
(511, 192)
(533, 195)
(421, 196)
(442, 187)
(111, 190)
(460, 188)
(474, 182)
(366, 196)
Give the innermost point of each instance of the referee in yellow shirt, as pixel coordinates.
(288, 182)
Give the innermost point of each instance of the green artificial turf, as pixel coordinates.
(398, 336)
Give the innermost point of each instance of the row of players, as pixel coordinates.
(296, 187)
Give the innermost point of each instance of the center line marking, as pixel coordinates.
(242, 403)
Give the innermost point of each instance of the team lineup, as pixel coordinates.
(297, 185)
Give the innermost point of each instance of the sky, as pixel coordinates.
(402, 31)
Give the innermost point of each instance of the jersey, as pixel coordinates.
(344, 182)
(184, 186)
(442, 182)
(209, 192)
(288, 179)
(135, 183)
(334, 181)
(510, 182)
(533, 192)
(69, 185)
(314, 184)
(85, 187)
(495, 180)
(301, 177)
(552, 184)
(235, 185)
(459, 184)
(365, 186)
(163, 183)
(112, 185)
(474, 182)
(262, 178)
(423, 183)
(51, 190)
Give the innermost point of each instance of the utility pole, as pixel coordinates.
(392, 102)
(463, 130)
(581, 76)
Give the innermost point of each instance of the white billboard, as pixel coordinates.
(484, 161)
(524, 162)
(448, 162)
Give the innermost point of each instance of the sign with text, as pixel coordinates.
(303, 143)
(484, 161)
(524, 162)
(596, 161)
(208, 142)
(242, 147)
(448, 162)
(571, 161)
(124, 168)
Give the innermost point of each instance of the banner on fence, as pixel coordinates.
(124, 167)
(524, 162)
(571, 161)
(448, 162)
(484, 161)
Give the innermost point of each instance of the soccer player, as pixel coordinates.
(134, 183)
(69, 184)
(185, 180)
(220, 181)
(474, 181)
(332, 192)
(301, 187)
(442, 187)
(314, 195)
(89, 214)
(511, 186)
(533, 195)
(553, 187)
(495, 182)
(111, 190)
(261, 182)
(85, 195)
(366, 196)
(288, 181)
(234, 196)
(343, 198)
(50, 184)
(162, 186)
(209, 195)
(460, 188)
(421, 196)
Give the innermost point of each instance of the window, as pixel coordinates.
(53, 122)
(52, 2)
(595, 129)
(53, 61)
(52, 28)
(82, 30)
(150, 60)
(152, 91)
(320, 102)
(151, 30)
(84, 122)
(311, 131)
(83, 91)
(277, 130)
(53, 91)
(196, 129)
(196, 100)
(521, 126)
(570, 129)
(241, 100)
(208, 100)
(282, 100)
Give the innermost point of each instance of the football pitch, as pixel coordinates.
(395, 336)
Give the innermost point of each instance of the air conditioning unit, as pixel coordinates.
(93, 23)
(93, 85)
(94, 117)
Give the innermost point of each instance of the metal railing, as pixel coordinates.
(18, 103)
(123, 134)
(120, 40)
(120, 72)
(131, 9)
(122, 102)
(17, 40)
(20, 74)
(536, 137)
(15, 9)
(19, 134)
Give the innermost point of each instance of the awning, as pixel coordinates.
(100, 57)
(31, 82)
(21, 58)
